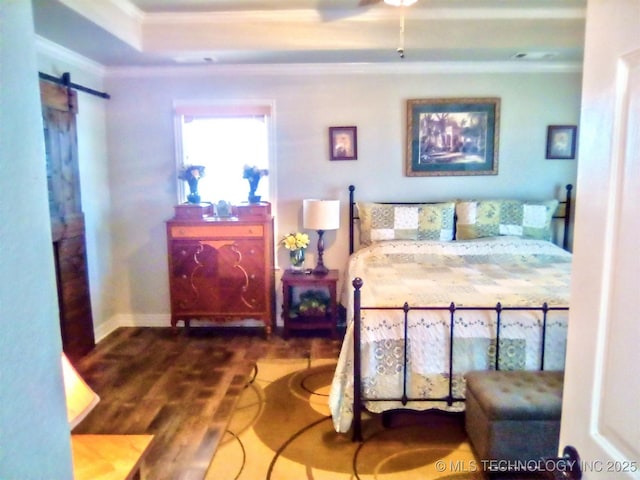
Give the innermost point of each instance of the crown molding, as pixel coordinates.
(58, 52)
(127, 7)
(532, 13)
(351, 15)
(118, 17)
(413, 68)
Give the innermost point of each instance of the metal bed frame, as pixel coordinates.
(563, 214)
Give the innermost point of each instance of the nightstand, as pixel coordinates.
(310, 302)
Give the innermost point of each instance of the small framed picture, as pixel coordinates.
(343, 143)
(561, 142)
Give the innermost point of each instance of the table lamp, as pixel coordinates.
(321, 215)
(80, 398)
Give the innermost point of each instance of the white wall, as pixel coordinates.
(307, 101)
(34, 433)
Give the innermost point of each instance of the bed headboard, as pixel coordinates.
(562, 216)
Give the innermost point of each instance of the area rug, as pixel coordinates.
(282, 430)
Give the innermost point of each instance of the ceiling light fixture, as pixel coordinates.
(402, 4)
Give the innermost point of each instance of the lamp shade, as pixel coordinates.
(321, 214)
(80, 398)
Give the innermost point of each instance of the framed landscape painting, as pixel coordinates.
(452, 136)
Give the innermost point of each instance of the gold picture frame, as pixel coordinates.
(452, 136)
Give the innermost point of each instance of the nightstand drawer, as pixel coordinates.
(216, 231)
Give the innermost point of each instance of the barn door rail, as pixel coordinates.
(65, 80)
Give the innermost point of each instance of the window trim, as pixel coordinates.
(230, 108)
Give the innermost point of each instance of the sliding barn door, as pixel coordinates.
(59, 107)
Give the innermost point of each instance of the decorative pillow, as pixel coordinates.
(380, 222)
(436, 221)
(490, 218)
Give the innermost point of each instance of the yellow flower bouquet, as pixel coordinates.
(295, 241)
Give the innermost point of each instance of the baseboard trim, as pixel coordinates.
(159, 321)
(128, 320)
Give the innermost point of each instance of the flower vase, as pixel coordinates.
(253, 186)
(296, 258)
(193, 196)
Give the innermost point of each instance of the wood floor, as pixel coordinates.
(181, 388)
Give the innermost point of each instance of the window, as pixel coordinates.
(224, 139)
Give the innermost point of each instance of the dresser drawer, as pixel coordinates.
(221, 269)
(217, 231)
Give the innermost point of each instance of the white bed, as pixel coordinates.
(440, 283)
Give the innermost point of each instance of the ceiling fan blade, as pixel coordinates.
(366, 3)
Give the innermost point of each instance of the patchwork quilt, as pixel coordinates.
(515, 271)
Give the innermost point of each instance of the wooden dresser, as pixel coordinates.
(221, 268)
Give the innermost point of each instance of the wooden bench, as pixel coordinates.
(514, 415)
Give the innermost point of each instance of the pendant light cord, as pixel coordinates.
(401, 47)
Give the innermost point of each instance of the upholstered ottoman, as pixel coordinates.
(514, 415)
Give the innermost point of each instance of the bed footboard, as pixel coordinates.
(450, 398)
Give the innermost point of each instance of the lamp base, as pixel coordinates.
(320, 269)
